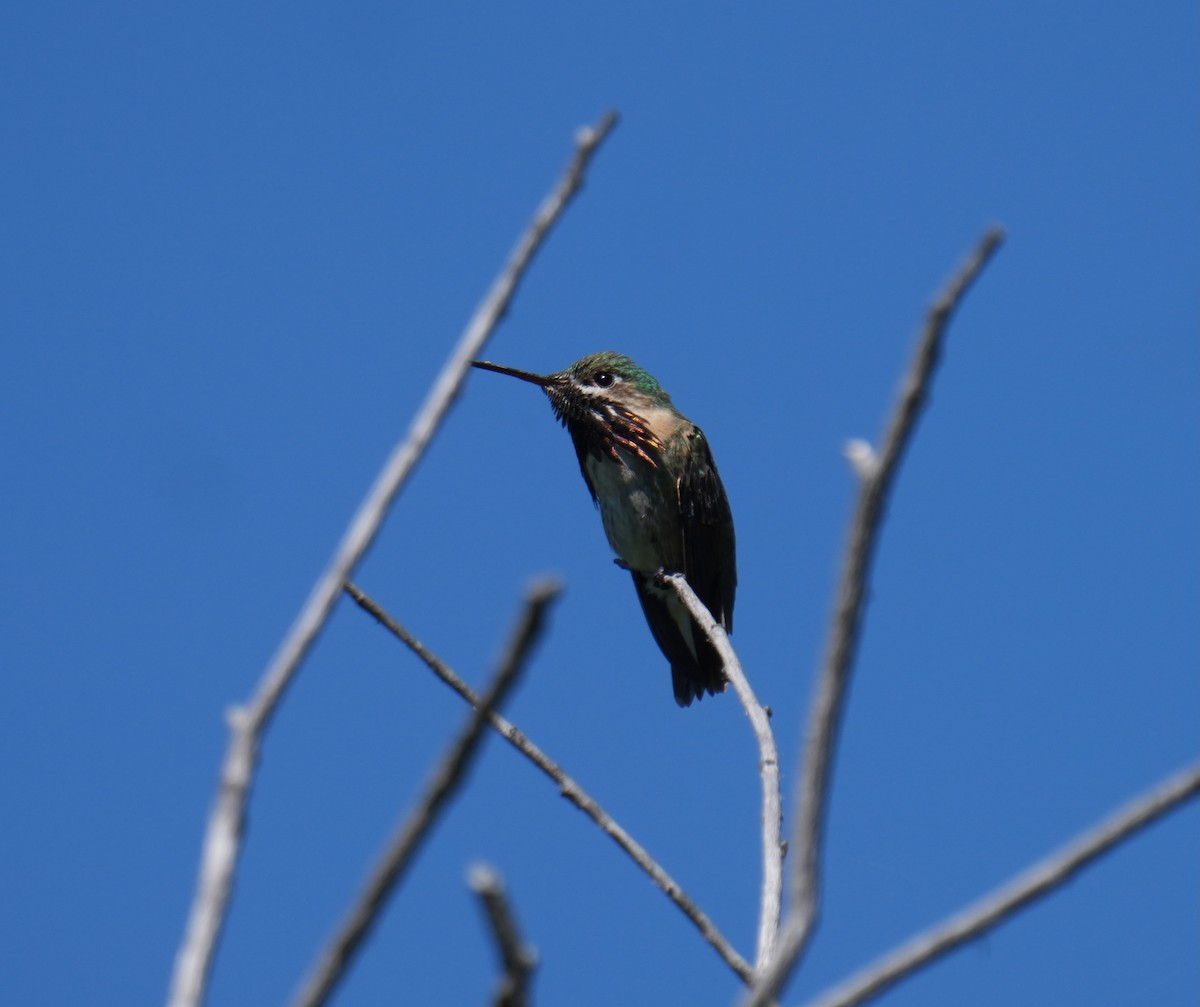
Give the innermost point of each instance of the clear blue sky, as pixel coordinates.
(237, 244)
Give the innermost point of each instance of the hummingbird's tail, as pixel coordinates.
(696, 667)
(693, 680)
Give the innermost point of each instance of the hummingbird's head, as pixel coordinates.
(603, 399)
(592, 383)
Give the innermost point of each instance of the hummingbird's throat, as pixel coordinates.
(605, 429)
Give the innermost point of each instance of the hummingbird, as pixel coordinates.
(650, 471)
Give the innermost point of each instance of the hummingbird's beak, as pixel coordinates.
(542, 380)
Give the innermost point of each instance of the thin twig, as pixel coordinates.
(768, 766)
(1032, 884)
(517, 957)
(247, 724)
(877, 475)
(335, 959)
(568, 788)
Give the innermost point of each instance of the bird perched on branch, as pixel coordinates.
(651, 472)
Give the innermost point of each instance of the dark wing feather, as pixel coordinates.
(709, 552)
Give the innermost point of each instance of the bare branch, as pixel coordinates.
(569, 789)
(1028, 886)
(334, 961)
(518, 958)
(768, 766)
(226, 823)
(825, 713)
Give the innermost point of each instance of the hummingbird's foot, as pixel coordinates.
(622, 564)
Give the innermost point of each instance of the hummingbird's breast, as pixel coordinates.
(640, 510)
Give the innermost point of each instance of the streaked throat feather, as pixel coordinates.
(604, 427)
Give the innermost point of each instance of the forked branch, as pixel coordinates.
(877, 471)
(517, 957)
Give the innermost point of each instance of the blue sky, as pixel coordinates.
(239, 242)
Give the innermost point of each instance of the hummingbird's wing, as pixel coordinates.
(709, 554)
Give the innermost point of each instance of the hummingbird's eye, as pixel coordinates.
(604, 379)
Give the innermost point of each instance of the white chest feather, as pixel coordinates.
(639, 510)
